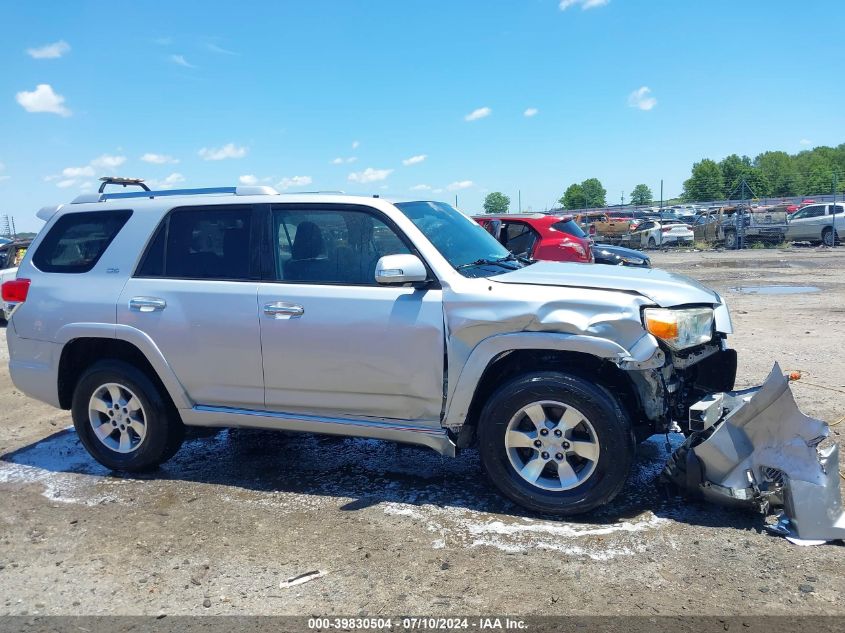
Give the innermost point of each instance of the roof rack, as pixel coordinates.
(124, 182)
(146, 193)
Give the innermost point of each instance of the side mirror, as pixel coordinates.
(400, 269)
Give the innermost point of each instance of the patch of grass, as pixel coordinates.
(701, 246)
(757, 245)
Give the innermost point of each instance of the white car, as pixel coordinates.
(816, 223)
(7, 274)
(653, 234)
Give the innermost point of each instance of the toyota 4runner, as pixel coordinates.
(147, 312)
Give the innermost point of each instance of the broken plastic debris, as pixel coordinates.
(762, 452)
(301, 579)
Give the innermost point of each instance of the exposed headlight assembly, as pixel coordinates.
(682, 328)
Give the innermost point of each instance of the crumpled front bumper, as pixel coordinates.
(755, 448)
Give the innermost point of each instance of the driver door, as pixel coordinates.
(334, 342)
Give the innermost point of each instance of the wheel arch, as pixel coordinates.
(496, 360)
(83, 345)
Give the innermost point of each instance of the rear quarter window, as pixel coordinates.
(75, 243)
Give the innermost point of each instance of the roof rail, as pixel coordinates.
(236, 191)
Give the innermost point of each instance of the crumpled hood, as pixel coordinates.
(664, 288)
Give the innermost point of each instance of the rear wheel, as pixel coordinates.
(123, 419)
(829, 238)
(555, 443)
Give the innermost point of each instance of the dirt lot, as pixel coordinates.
(401, 530)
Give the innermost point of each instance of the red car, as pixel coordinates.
(554, 238)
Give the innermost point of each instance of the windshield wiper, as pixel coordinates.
(490, 262)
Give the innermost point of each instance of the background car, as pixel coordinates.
(545, 237)
(815, 223)
(620, 256)
(653, 233)
(11, 254)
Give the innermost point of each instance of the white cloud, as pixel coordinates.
(805, 142)
(414, 160)
(180, 60)
(529, 112)
(355, 144)
(436, 191)
(421, 188)
(230, 150)
(294, 181)
(248, 179)
(478, 113)
(43, 99)
(340, 161)
(214, 48)
(64, 184)
(158, 159)
(49, 51)
(78, 172)
(173, 179)
(585, 4)
(640, 99)
(460, 184)
(369, 175)
(108, 162)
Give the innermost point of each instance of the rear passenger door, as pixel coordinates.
(194, 294)
(519, 238)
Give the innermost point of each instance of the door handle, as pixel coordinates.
(283, 310)
(147, 304)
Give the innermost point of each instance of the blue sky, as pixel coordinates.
(375, 97)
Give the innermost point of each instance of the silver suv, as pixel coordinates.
(146, 313)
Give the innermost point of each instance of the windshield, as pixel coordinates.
(463, 242)
(569, 226)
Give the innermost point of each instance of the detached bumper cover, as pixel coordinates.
(755, 448)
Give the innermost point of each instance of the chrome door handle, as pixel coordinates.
(147, 304)
(283, 310)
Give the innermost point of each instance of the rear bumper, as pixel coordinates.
(33, 366)
(755, 448)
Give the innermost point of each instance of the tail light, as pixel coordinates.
(16, 290)
(666, 229)
(592, 229)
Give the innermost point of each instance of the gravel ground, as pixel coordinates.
(400, 530)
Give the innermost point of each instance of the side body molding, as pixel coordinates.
(463, 389)
(140, 340)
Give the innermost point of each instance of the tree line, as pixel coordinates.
(770, 174)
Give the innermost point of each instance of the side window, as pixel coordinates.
(838, 209)
(645, 226)
(76, 241)
(331, 246)
(520, 238)
(201, 243)
(815, 211)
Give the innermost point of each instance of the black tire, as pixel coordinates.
(164, 430)
(828, 238)
(652, 243)
(731, 241)
(609, 421)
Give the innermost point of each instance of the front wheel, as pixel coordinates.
(731, 240)
(652, 243)
(555, 443)
(123, 418)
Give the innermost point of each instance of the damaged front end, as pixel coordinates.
(755, 448)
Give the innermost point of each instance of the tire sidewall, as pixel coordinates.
(148, 454)
(610, 423)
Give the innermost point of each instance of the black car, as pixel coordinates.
(619, 256)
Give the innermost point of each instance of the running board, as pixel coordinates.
(376, 428)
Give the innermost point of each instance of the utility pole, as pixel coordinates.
(833, 213)
(456, 201)
(519, 195)
(661, 212)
